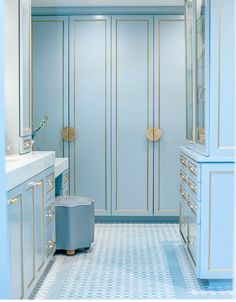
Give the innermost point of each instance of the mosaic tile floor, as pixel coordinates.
(127, 261)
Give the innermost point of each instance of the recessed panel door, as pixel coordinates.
(50, 82)
(90, 109)
(169, 111)
(132, 105)
(15, 243)
(39, 224)
(28, 237)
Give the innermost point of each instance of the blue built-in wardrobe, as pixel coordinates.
(206, 161)
(113, 87)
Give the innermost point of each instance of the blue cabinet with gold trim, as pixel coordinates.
(206, 193)
(31, 238)
(116, 94)
(209, 77)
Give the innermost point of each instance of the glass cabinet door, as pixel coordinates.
(189, 68)
(200, 11)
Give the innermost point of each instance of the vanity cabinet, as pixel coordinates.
(209, 77)
(15, 200)
(62, 184)
(206, 213)
(29, 232)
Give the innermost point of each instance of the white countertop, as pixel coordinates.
(20, 168)
(61, 165)
(206, 159)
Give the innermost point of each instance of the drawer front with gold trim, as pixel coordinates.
(50, 186)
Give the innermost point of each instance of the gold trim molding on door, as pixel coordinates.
(153, 134)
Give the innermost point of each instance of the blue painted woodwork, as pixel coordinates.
(217, 221)
(213, 86)
(90, 109)
(168, 93)
(50, 81)
(31, 239)
(28, 236)
(132, 102)
(222, 136)
(39, 221)
(15, 243)
(206, 214)
(62, 184)
(142, 93)
(108, 10)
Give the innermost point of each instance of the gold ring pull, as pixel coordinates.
(69, 134)
(153, 134)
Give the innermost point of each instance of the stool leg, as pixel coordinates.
(70, 252)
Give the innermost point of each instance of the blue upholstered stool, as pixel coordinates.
(74, 223)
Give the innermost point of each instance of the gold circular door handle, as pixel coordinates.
(69, 134)
(153, 134)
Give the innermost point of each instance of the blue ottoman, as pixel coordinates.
(74, 223)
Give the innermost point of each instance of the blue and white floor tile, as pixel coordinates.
(127, 261)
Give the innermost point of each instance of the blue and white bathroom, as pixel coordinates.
(117, 135)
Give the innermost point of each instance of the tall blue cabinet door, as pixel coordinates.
(28, 237)
(50, 81)
(132, 106)
(222, 100)
(169, 111)
(15, 243)
(90, 109)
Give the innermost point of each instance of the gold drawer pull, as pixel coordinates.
(50, 214)
(192, 206)
(182, 193)
(50, 183)
(192, 168)
(192, 187)
(36, 184)
(183, 176)
(183, 161)
(66, 178)
(12, 201)
(51, 244)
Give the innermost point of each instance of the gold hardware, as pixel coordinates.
(36, 184)
(153, 134)
(192, 168)
(26, 129)
(183, 160)
(66, 178)
(69, 134)
(51, 244)
(192, 186)
(183, 176)
(12, 201)
(182, 192)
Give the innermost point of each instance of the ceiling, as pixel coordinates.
(66, 3)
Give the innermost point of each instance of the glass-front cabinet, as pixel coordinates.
(195, 33)
(200, 9)
(189, 68)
